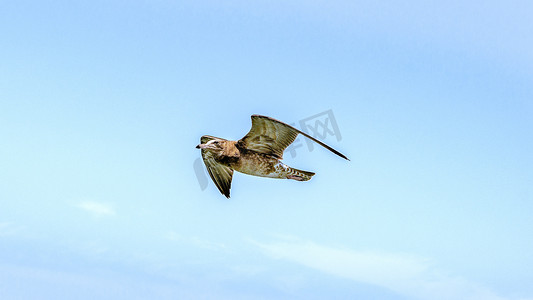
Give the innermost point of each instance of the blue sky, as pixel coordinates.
(102, 103)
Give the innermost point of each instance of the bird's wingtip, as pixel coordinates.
(341, 155)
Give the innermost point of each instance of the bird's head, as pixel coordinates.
(214, 145)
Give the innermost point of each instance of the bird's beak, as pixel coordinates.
(200, 146)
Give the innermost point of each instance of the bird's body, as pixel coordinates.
(255, 163)
(259, 153)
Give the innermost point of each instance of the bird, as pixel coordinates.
(258, 153)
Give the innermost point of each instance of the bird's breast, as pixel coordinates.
(257, 164)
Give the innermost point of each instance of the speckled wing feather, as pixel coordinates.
(271, 136)
(220, 174)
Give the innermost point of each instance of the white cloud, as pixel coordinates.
(97, 208)
(8, 229)
(406, 275)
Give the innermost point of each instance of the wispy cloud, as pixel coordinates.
(8, 229)
(97, 208)
(406, 275)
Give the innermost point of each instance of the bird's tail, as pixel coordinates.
(299, 175)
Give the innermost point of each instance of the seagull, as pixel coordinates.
(258, 153)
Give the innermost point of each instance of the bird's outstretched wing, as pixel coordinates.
(220, 174)
(271, 136)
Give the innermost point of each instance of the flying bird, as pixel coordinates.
(258, 153)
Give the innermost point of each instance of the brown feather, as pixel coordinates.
(271, 136)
